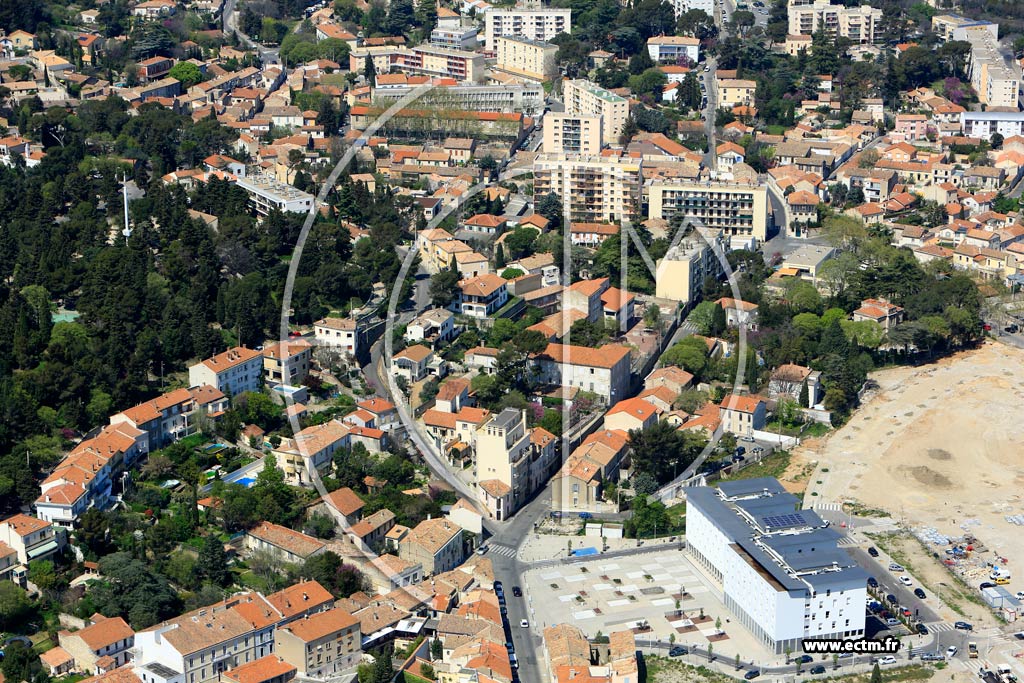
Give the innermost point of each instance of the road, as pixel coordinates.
(711, 92)
(268, 55)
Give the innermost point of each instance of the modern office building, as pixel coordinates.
(945, 26)
(737, 209)
(780, 568)
(598, 189)
(454, 38)
(535, 24)
(583, 98)
(859, 24)
(568, 134)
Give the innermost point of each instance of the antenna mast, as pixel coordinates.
(127, 232)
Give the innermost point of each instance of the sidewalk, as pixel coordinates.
(539, 547)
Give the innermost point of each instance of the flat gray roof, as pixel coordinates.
(746, 487)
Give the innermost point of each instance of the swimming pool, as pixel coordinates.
(247, 482)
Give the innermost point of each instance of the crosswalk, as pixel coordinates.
(503, 550)
(828, 506)
(940, 626)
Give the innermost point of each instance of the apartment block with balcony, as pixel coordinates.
(598, 189)
(737, 209)
(860, 24)
(568, 134)
(173, 415)
(535, 24)
(995, 81)
(681, 273)
(31, 539)
(459, 38)
(530, 59)
(100, 646)
(287, 362)
(583, 98)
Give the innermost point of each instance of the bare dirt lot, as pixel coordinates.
(935, 446)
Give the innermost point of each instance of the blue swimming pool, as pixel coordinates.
(584, 552)
(247, 482)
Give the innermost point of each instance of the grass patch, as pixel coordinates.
(772, 466)
(917, 672)
(859, 510)
(816, 429)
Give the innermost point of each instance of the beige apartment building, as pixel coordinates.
(583, 98)
(680, 274)
(512, 461)
(535, 24)
(568, 134)
(320, 645)
(859, 24)
(734, 92)
(435, 544)
(598, 189)
(996, 83)
(737, 209)
(530, 59)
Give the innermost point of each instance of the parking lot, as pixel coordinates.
(659, 595)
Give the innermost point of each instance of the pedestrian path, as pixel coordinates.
(940, 626)
(503, 550)
(827, 506)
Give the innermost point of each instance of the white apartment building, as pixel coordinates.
(985, 124)
(502, 455)
(604, 371)
(231, 372)
(435, 325)
(530, 59)
(680, 274)
(673, 48)
(681, 7)
(583, 98)
(338, 333)
(859, 24)
(267, 194)
(527, 98)
(568, 134)
(459, 38)
(598, 189)
(737, 209)
(995, 81)
(535, 24)
(31, 538)
(779, 567)
(199, 646)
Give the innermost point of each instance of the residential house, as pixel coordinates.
(232, 372)
(311, 449)
(101, 646)
(436, 325)
(322, 645)
(288, 362)
(742, 415)
(301, 600)
(481, 297)
(880, 311)
(604, 371)
(369, 532)
(435, 544)
(630, 414)
(283, 543)
(412, 362)
(512, 461)
(739, 312)
(339, 333)
(789, 381)
(591, 234)
(269, 669)
(32, 539)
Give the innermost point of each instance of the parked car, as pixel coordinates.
(517, 591)
(872, 551)
(906, 580)
(677, 651)
(818, 669)
(951, 651)
(905, 612)
(753, 673)
(986, 584)
(805, 659)
(893, 567)
(963, 626)
(891, 598)
(892, 622)
(920, 593)
(873, 582)
(1019, 635)
(922, 630)
(888, 659)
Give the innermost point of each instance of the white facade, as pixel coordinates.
(535, 24)
(780, 569)
(673, 48)
(984, 124)
(235, 371)
(339, 333)
(454, 38)
(683, 6)
(267, 194)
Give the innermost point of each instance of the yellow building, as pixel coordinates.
(734, 92)
(569, 134)
(531, 59)
(583, 98)
(598, 189)
(737, 209)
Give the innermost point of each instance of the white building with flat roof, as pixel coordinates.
(779, 567)
(267, 194)
(235, 371)
(985, 124)
(583, 98)
(535, 24)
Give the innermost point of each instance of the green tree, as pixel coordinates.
(690, 354)
(15, 605)
(444, 285)
(213, 562)
(186, 72)
(436, 649)
(370, 72)
(702, 316)
(876, 674)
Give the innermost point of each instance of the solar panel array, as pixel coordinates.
(785, 521)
